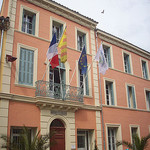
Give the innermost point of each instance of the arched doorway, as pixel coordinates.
(58, 139)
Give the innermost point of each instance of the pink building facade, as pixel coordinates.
(41, 98)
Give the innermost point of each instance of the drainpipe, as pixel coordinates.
(2, 34)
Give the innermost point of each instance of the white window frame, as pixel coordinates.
(138, 131)
(33, 131)
(36, 20)
(118, 134)
(52, 19)
(87, 39)
(144, 60)
(131, 85)
(130, 61)
(147, 105)
(111, 53)
(114, 88)
(89, 78)
(19, 46)
(90, 139)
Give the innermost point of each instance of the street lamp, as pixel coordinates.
(4, 26)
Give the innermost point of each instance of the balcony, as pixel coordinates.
(58, 91)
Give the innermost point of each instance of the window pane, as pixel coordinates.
(81, 141)
(28, 23)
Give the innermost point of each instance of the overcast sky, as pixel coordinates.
(126, 19)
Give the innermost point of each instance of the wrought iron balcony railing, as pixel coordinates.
(58, 91)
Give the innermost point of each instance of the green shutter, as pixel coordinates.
(128, 96)
(23, 18)
(109, 58)
(133, 95)
(87, 85)
(129, 66)
(84, 41)
(112, 94)
(33, 24)
(26, 66)
(61, 31)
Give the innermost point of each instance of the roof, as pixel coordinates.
(73, 11)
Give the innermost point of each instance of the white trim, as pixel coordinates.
(114, 88)
(36, 20)
(111, 53)
(118, 134)
(146, 89)
(51, 25)
(142, 59)
(87, 39)
(134, 126)
(130, 59)
(19, 45)
(131, 85)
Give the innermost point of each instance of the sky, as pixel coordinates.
(126, 19)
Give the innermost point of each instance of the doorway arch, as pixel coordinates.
(57, 129)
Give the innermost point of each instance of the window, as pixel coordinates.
(84, 83)
(134, 130)
(107, 55)
(26, 66)
(81, 40)
(148, 100)
(144, 69)
(57, 76)
(109, 93)
(28, 22)
(58, 29)
(112, 138)
(84, 138)
(113, 133)
(15, 136)
(127, 65)
(131, 97)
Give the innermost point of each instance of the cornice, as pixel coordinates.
(122, 44)
(126, 108)
(45, 102)
(65, 12)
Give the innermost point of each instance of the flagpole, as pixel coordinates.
(46, 69)
(74, 70)
(61, 84)
(62, 35)
(73, 75)
(101, 101)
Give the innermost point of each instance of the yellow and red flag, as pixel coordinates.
(63, 47)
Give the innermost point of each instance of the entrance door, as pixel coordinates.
(58, 139)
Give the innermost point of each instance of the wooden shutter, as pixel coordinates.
(128, 92)
(23, 19)
(133, 96)
(112, 94)
(26, 66)
(33, 24)
(128, 64)
(87, 85)
(109, 57)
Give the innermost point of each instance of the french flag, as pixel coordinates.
(52, 53)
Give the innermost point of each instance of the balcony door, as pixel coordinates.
(56, 78)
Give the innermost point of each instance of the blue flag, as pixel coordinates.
(83, 61)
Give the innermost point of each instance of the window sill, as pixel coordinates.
(87, 96)
(26, 86)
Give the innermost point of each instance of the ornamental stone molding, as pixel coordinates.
(65, 12)
(122, 44)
